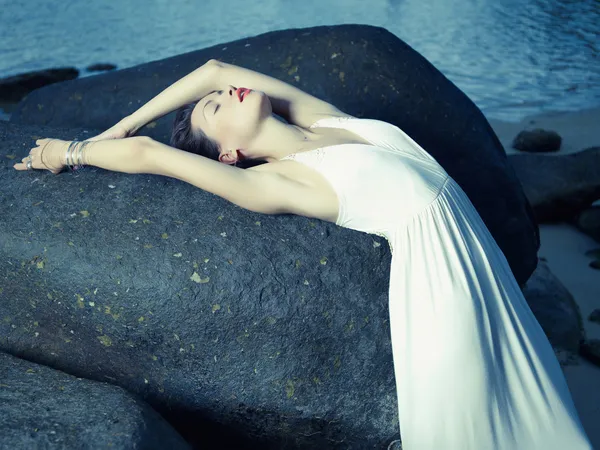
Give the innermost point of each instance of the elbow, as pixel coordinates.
(141, 143)
(140, 150)
(213, 63)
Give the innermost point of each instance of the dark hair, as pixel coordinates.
(186, 138)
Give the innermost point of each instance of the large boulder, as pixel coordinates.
(365, 71)
(45, 408)
(243, 330)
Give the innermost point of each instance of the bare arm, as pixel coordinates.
(188, 89)
(291, 103)
(262, 191)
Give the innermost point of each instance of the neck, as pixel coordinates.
(277, 139)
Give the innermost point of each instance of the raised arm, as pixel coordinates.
(289, 102)
(188, 89)
(293, 104)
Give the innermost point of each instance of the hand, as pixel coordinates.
(118, 131)
(49, 154)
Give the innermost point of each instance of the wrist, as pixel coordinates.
(71, 153)
(130, 124)
(61, 149)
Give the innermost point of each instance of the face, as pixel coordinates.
(232, 117)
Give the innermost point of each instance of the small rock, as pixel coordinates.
(590, 350)
(589, 222)
(537, 141)
(595, 316)
(100, 67)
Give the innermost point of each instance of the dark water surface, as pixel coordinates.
(512, 57)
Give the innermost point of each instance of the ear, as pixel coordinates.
(228, 157)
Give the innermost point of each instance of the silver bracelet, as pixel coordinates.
(80, 162)
(74, 154)
(68, 162)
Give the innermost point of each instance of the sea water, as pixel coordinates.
(511, 57)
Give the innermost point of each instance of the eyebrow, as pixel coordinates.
(203, 109)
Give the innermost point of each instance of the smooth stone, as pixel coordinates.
(537, 141)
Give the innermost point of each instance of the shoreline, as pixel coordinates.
(578, 129)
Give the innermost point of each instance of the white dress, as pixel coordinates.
(473, 367)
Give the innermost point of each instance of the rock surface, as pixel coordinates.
(559, 187)
(589, 222)
(557, 312)
(14, 88)
(44, 408)
(594, 316)
(590, 350)
(537, 141)
(363, 70)
(243, 330)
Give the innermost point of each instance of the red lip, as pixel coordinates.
(239, 92)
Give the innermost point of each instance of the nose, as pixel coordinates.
(232, 90)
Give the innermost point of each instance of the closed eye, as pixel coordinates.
(217, 108)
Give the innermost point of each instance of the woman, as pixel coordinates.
(474, 369)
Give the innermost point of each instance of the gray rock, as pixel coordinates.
(45, 408)
(590, 350)
(557, 312)
(559, 187)
(594, 316)
(589, 222)
(365, 71)
(100, 67)
(538, 141)
(243, 330)
(14, 88)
